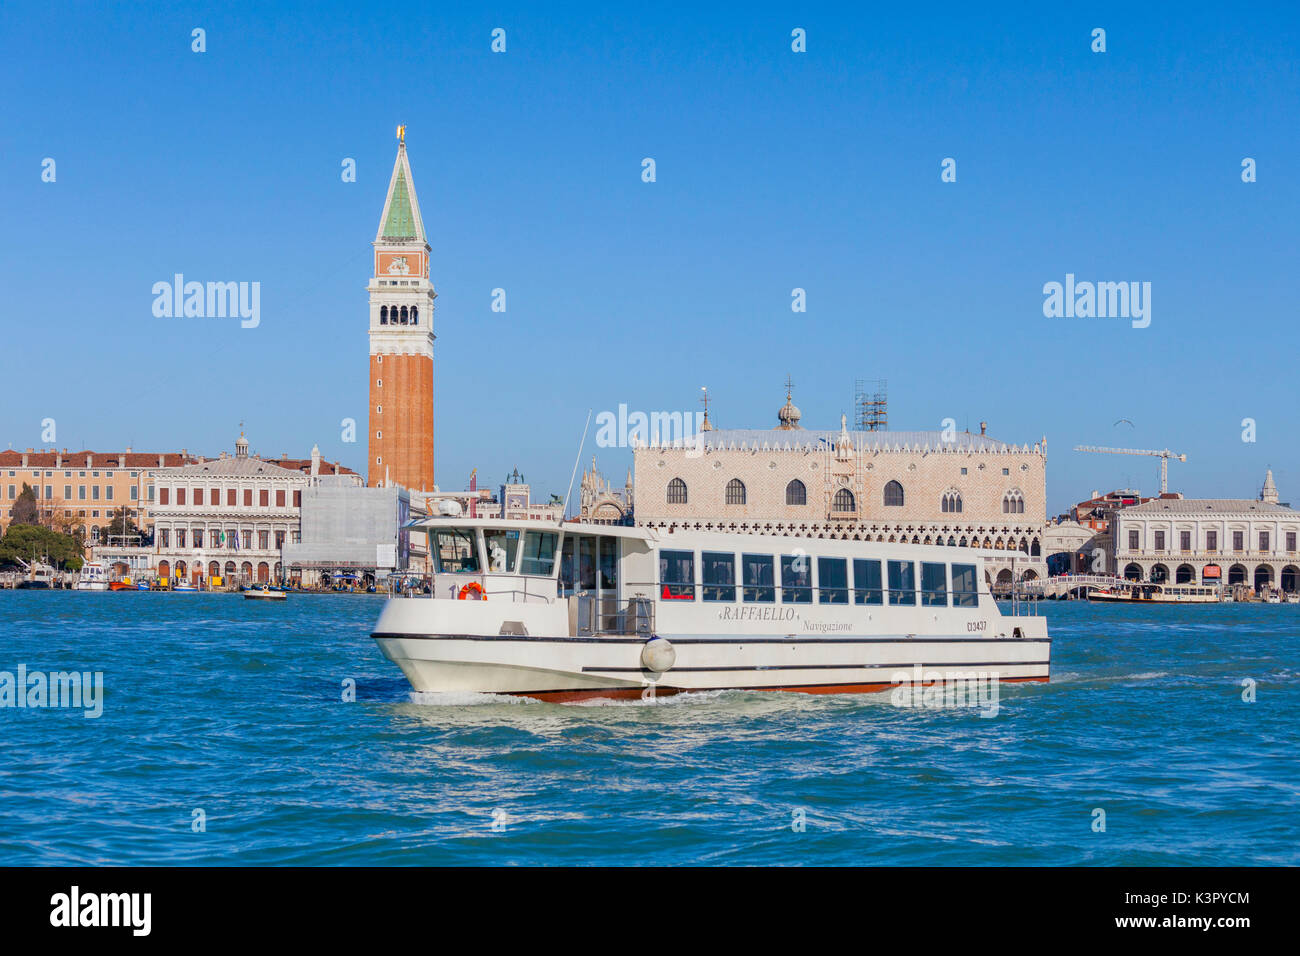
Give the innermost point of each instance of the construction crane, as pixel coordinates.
(1164, 455)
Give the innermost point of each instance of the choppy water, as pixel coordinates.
(236, 708)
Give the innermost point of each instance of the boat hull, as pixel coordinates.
(574, 668)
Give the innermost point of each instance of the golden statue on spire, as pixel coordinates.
(401, 135)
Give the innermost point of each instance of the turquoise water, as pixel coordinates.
(236, 708)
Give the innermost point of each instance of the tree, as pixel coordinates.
(28, 541)
(24, 510)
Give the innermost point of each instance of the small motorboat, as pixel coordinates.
(142, 586)
(93, 577)
(264, 594)
(126, 586)
(185, 588)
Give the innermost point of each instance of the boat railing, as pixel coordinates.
(602, 614)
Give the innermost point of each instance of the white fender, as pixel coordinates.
(658, 655)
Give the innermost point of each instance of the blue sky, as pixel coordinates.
(775, 170)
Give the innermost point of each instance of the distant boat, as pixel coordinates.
(40, 577)
(264, 594)
(93, 577)
(126, 586)
(185, 588)
(1137, 592)
(142, 586)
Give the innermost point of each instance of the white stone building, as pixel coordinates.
(1234, 541)
(228, 517)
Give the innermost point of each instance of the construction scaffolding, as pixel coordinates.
(871, 399)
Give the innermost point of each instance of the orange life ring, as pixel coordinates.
(472, 586)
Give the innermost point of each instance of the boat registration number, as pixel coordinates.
(977, 625)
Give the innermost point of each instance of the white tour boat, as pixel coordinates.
(93, 577)
(570, 611)
(1144, 592)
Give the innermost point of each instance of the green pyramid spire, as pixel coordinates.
(401, 221)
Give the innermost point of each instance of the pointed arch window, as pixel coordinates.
(1013, 502)
(843, 502)
(893, 495)
(735, 492)
(951, 502)
(796, 493)
(677, 492)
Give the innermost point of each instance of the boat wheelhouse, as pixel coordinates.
(566, 611)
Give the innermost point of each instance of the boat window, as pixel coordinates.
(454, 551)
(833, 580)
(796, 579)
(677, 575)
(867, 585)
(718, 570)
(902, 582)
(539, 553)
(607, 573)
(760, 578)
(934, 584)
(502, 547)
(586, 564)
(964, 586)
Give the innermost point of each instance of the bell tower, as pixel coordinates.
(401, 340)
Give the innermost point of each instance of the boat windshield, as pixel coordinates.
(502, 546)
(539, 553)
(454, 551)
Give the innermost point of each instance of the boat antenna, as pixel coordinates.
(574, 473)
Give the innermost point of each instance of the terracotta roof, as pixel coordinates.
(11, 458)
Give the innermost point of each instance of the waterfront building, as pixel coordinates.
(1250, 542)
(230, 517)
(401, 340)
(924, 487)
(78, 492)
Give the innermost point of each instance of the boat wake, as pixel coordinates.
(466, 698)
(679, 699)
